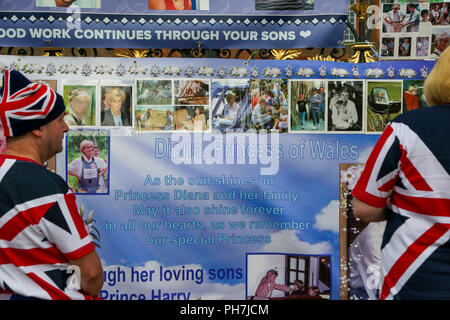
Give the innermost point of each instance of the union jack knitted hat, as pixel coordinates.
(25, 105)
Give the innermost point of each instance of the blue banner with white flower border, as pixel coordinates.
(210, 24)
(184, 214)
(116, 68)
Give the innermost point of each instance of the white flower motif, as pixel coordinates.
(391, 72)
(86, 70)
(172, 70)
(374, 73)
(206, 71)
(339, 72)
(407, 73)
(288, 71)
(322, 71)
(238, 72)
(355, 71)
(424, 72)
(50, 70)
(272, 72)
(189, 71)
(121, 70)
(222, 72)
(305, 72)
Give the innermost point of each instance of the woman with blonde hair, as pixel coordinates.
(79, 102)
(113, 115)
(406, 181)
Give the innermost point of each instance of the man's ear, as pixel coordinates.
(39, 132)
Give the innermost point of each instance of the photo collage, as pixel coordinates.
(221, 105)
(412, 30)
(97, 110)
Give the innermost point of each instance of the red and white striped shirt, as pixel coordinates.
(41, 230)
(411, 164)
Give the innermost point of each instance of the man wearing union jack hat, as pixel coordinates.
(46, 251)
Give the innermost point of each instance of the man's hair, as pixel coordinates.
(437, 84)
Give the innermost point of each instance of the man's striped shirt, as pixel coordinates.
(41, 230)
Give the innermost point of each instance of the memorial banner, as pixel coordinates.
(163, 24)
(212, 175)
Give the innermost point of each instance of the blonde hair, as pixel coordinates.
(84, 143)
(437, 84)
(114, 92)
(79, 94)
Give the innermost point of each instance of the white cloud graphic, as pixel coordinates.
(328, 218)
(287, 241)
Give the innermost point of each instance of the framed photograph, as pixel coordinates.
(87, 161)
(154, 92)
(80, 100)
(384, 103)
(230, 108)
(116, 106)
(345, 106)
(297, 276)
(191, 92)
(154, 118)
(192, 118)
(308, 105)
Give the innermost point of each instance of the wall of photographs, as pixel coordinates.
(161, 218)
(414, 30)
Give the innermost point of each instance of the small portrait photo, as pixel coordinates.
(231, 109)
(412, 19)
(89, 4)
(439, 41)
(413, 95)
(384, 103)
(269, 103)
(290, 5)
(154, 118)
(422, 46)
(308, 111)
(80, 104)
(439, 13)
(116, 106)
(404, 47)
(279, 276)
(178, 4)
(387, 47)
(345, 106)
(192, 118)
(154, 92)
(393, 18)
(191, 92)
(87, 161)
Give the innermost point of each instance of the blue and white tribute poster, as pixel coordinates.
(206, 215)
(223, 179)
(173, 24)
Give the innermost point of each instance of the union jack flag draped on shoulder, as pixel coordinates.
(25, 105)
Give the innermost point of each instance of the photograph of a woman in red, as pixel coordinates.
(169, 4)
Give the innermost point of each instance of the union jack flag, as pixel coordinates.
(25, 105)
(411, 164)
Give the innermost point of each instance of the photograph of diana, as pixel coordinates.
(116, 106)
(80, 104)
(87, 161)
